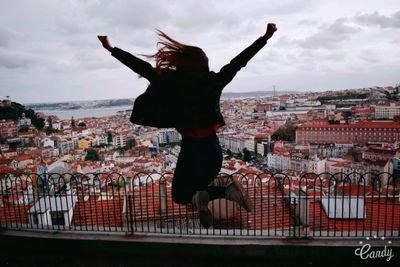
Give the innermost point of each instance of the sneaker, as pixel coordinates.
(236, 192)
(200, 202)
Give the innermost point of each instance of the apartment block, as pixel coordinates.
(361, 133)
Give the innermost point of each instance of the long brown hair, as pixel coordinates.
(173, 55)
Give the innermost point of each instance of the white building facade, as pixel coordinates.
(387, 112)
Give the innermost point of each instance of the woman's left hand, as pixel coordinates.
(104, 41)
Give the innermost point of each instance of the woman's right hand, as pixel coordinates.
(104, 41)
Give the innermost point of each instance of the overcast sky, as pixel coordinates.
(49, 50)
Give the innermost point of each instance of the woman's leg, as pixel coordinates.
(182, 189)
(198, 164)
(233, 191)
(216, 156)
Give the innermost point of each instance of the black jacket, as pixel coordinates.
(180, 100)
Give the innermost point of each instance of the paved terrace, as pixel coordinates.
(101, 217)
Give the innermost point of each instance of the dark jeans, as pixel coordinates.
(199, 163)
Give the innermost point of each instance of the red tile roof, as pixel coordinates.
(146, 204)
(380, 215)
(271, 210)
(98, 211)
(23, 157)
(10, 213)
(5, 161)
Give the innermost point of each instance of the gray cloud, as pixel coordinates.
(49, 46)
(329, 35)
(6, 36)
(369, 56)
(376, 19)
(15, 61)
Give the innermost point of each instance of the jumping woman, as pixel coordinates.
(182, 84)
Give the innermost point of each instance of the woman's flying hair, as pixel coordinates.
(173, 55)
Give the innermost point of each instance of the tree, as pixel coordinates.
(15, 111)
(72, 122)
(119, 183)
(395, 95)
(23, 129)
(38, 122)
(355, 153)
(50, 129)
(131, 143)
(82, 124)
(286, 133)
(122, 150)
(92, 155)
(50, 122)
(109, 138)
(246, 155)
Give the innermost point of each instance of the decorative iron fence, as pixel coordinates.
(310, 206)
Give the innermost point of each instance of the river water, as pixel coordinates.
(82, 113)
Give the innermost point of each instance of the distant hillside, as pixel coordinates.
(253, 94)
(105, 103)
(14, 112)
(339, 97)
(83, 104)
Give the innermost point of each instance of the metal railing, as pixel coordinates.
(308, 206)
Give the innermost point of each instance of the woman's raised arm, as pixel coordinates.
(136, 64)
(229, 71)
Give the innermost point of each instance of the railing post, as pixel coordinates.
(163, 198)
(304, 209)
(130, 217)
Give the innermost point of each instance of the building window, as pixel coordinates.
(35, 219)
(57, 218)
